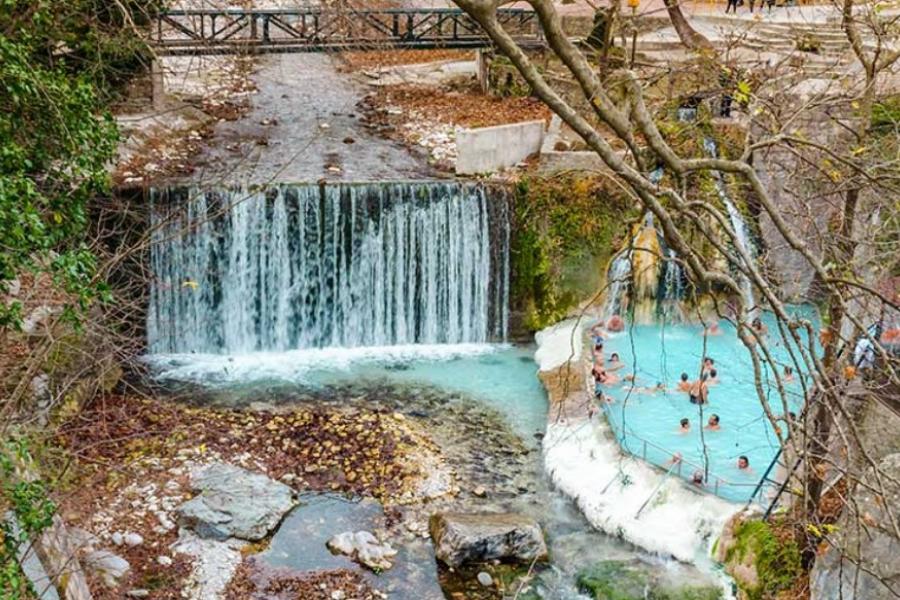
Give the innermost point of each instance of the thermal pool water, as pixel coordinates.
(646, 423)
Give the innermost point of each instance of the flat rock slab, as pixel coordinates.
(234, 502)
(477, 537)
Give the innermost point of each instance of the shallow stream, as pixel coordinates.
(482, 404)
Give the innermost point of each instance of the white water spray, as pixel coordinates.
(332, 266)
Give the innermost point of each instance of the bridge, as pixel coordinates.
(237, 31)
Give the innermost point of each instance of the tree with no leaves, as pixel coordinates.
(816, 159)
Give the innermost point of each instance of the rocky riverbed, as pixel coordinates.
(347, 492)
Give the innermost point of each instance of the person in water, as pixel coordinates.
(697, 478)
(659, 387)
(699, 392)
(713, 423)
(685, 426)
(788, 374)
(713, 329)
(614, 363)
(685, 384)
(713, 377)
(708, 364)
(759, 327)
(744, 464)
(615, 324)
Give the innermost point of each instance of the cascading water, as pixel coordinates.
(310, 266)
(741, 231)
(618, 279)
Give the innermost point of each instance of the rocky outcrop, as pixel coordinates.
(762, 561)
(862, 561)
(460, 538)
(364, 548)
(234, 502)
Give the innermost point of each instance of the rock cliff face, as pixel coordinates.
(869, 567)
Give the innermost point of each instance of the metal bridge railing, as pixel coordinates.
(182, 31)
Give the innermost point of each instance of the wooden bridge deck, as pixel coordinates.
(230, 31)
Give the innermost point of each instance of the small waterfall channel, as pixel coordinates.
(741, 231)
(345, 265)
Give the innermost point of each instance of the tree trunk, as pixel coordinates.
(687, 34)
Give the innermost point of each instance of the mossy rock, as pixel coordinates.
(614, 580)
(632, 580)
(762, 564)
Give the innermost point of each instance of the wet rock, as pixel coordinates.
(634, 580)
(459, 538)
(485, 579)
(234, 502)
(109, 567)
(364, 548)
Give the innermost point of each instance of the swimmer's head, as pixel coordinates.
(684, 376)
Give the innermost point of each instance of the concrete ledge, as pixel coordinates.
(488, 149)
(569, 160)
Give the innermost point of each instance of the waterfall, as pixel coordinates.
(673, 280)
(618, 280)
(741, 231)
(341, 265)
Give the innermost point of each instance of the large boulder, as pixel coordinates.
(234, 502)
(460, 538)
(863, 561)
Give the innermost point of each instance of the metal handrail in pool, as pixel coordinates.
(645, 443)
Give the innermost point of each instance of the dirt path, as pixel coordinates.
(303, 126)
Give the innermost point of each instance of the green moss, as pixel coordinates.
(886, 114)
(614, 580)
(566, 229)
(618, 580)
(777, 561)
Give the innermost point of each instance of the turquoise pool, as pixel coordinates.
(647, 424)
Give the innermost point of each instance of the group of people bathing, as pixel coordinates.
(605, 374)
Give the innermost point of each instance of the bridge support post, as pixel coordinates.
(481, 68)
(158, 85)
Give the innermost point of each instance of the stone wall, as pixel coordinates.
(489, 149)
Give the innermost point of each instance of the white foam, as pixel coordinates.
(296, 365)
(586, 464)
(559, 343)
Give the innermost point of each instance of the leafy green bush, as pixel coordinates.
(60, 62)
(565, 230)
(27, 500)
(886, 113)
